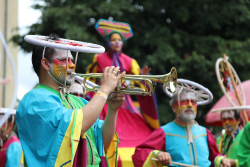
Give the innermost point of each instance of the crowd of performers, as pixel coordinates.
(69, 127)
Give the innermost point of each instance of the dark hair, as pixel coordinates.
(37, 54)
(236, 114)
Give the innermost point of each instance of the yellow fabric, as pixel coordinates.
(93, 68)
(217, 162)
(112, 25)
(64, 154)
(151, 163)
(154, 123)
(22, 158)
(112, 151)
(135, 70)
(125, 154)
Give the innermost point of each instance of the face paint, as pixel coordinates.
(58, 67)
(116, 42)
(77, 90)
(229, 122)
(186, 107)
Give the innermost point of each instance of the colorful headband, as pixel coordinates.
(107, 27)
(64, 44)
(239, 108)
(204, 96)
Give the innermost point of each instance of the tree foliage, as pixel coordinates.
(189, 35)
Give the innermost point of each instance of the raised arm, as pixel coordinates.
(93, 109)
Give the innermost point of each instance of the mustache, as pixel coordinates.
(189, 108)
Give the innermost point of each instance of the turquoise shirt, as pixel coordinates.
(196, 153)
(13, 155)
(42, 120)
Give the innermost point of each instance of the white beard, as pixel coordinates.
(187, 117)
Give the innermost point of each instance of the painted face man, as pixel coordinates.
(185, 106)
(230, 121)
(182, 140)
(58, 68)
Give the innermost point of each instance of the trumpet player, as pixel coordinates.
(60, 129)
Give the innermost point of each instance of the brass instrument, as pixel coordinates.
(169, 79)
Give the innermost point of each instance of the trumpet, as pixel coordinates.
(169, 79)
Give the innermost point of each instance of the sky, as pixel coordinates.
(27, 78)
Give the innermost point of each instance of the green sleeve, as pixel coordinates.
(243, 152)
(218, 141)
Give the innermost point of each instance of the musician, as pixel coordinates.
(77, 89)
(10, 146)
(132, 127)
(228, 142)
(183, 140)
(60, 129)
(244, 147)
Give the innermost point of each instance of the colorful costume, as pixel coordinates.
(10, 152)
(244, 147)
(53, 134)
(229, 146)
(132, 127)
(173, 138)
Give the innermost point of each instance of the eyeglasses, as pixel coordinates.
(79, 95)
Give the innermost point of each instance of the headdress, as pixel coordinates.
(204, 96)
(107, 27)
(64, 44)
(238, 108)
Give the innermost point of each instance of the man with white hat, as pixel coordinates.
(57, 128)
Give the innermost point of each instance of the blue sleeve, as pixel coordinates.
(97, 128)
(83, 100)
(13, 155)
(42, 122)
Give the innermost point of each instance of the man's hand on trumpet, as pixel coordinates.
(110, 79)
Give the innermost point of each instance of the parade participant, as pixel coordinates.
(228, 142)
(77, 89)
(129, 121)
(244, 147)
(10, 146)
(60, 129)
(183, 140)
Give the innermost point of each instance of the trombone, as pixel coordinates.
(169, 79)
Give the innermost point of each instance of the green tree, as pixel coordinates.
(189, 35)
